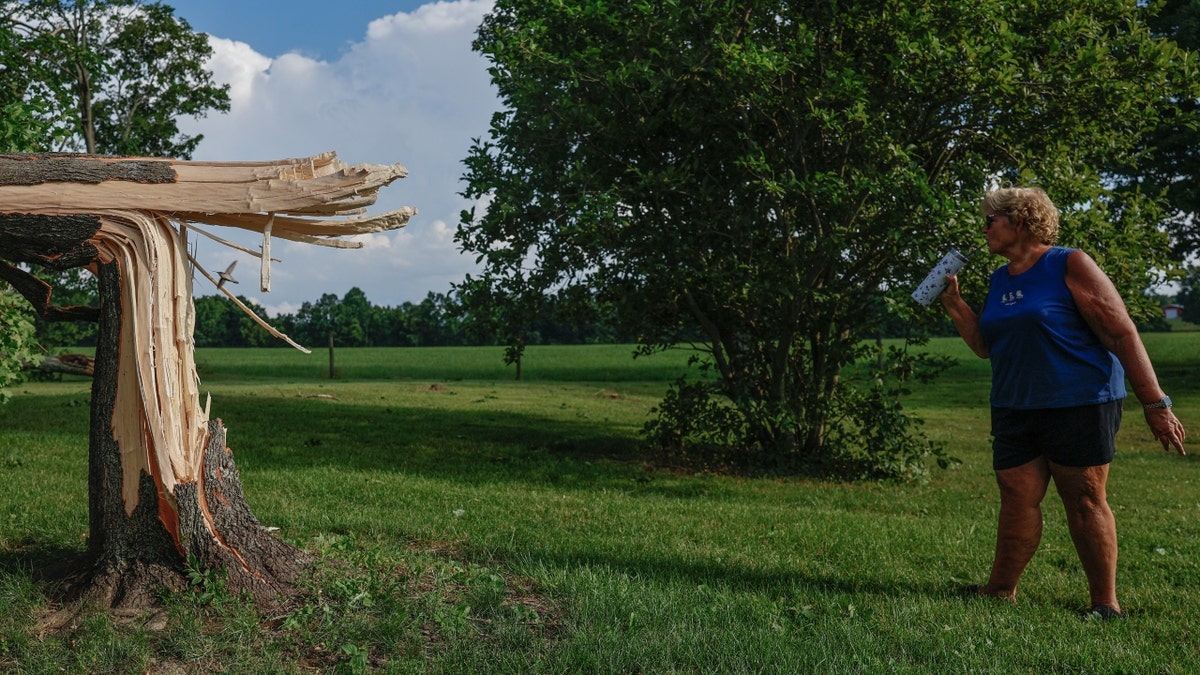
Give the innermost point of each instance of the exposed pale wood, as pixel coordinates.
(226, 242)
(157, 421)
(201, 188)
(264, 272)
(308, 230)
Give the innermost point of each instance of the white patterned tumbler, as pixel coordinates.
(935, 282)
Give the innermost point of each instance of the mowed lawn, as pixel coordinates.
(471, 523)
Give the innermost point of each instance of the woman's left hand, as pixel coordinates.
(1167, 429)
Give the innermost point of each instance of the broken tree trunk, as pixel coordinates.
(163, 488)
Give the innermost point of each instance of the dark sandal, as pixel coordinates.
(1102, 613)
(970, 590)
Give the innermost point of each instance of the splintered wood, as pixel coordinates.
(146, 208)
(157, 421)
(312, 186)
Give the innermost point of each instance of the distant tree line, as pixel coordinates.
(443, 319)
(353, 321)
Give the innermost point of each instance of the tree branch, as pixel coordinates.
(38, 293)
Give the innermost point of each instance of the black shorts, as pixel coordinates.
(1080, 436)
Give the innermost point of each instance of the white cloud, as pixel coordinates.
(237, 64)
(412, 92)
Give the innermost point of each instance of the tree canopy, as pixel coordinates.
(16, 336)
(1172, 164)
(767, 173)
(102, 77)
(107, 76)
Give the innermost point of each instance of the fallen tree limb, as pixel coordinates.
(64, 364)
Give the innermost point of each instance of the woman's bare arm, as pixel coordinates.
(965, 319)
(1104, 310)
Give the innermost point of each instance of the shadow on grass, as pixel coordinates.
(33, 558)
(481, 447)
(473, 447)
(466, 446)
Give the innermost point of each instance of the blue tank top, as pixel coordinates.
(1043, 353)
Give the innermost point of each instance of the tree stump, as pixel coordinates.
(164, 492)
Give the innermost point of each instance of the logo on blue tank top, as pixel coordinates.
(1011, 298)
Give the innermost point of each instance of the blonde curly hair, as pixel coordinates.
(1029, 206)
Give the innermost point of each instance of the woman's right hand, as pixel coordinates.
(951, 293)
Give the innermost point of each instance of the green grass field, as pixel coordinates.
(470, 523)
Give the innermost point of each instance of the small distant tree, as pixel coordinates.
(499, 310)
(319, 322)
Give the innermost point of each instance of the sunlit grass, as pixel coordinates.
(486, 525)
(591, 363)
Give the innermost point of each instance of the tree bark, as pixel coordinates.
(34, 169)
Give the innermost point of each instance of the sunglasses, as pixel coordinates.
(991, 218)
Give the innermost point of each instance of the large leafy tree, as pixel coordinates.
(18, 133)
(115, 75)
(102, 77)
(1172, 164)
(16, 337)
(767, 173)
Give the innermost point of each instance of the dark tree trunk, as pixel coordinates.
(332, 370)
(129, 558)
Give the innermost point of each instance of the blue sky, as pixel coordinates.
(377, 82)
(274, 27)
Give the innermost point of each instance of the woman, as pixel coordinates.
(1061, 344)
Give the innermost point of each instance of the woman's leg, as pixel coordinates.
(1092, 526)
(1020, 528)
